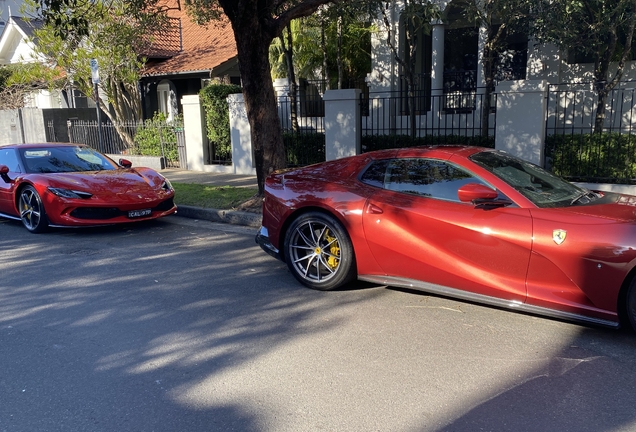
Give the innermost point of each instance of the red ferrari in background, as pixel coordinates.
(71, 185)
(471, 223)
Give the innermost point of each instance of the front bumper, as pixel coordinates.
(262, 238)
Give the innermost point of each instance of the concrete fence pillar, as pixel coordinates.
(342, 123)
(242, 154)
(195, 132)
(437, 72)
(521, 117)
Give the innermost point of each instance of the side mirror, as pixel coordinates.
(125, 163)
(4, 173)
(475, 193)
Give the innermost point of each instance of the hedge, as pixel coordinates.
(156, 135)
(304, 148)
(217, 117)
(381, 142)
(606, 157)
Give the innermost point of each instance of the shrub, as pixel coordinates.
(606, 157)
(304, 148)
(217, 118)
(157, 138)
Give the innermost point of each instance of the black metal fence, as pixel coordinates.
(305, 141)
(388, 121)
(150, 138)
(580, 146)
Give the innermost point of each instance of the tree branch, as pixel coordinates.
(302, 9)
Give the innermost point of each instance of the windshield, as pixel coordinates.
(533, 182)
(64, 159)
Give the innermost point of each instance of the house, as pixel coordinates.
(539, 92)
(179, 63)
(449, 59)
(184, 61)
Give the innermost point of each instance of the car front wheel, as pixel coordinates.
(32, 211)
(318, 252)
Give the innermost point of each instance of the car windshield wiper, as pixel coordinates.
(588, 195)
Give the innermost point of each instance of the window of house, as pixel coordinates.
(165, 99)
(512, 59)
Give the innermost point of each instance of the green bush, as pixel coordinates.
(304, 148)
(606, 157)
(157, 138)
(217, 118)
(381, 142)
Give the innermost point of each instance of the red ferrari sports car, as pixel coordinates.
(471, 223)
(71, 185)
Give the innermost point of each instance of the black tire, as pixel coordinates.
(318, 252)
(630, 305)
(31, 210)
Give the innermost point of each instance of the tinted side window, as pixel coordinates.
(427, 177)
(375, 174)
(9, 158)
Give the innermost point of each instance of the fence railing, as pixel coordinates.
(578, 150)
(150, 138)
(389, 123)
(304, 145)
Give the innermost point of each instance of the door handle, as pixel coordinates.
(374, 209)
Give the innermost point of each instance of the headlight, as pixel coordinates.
(68, 193)
(166, 185)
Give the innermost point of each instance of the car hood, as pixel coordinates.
(119, 182)
(612, 207)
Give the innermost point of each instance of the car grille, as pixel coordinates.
(165, 206)
(105, 213)
(96, 213)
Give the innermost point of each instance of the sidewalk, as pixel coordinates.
(214, 215)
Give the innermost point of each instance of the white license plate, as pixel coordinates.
(139, 213)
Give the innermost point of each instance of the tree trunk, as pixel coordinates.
(339, 54)
(599, 117)
(288, 49)
(325, 65)
(485, 106)
(260, 99)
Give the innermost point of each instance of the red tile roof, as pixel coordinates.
(204, 47)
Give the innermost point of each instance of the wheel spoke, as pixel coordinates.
(307, 241)
(311, 258)
(322, 233)
(327, 266)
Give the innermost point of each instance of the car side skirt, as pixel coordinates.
(4, 215)
(480, 298)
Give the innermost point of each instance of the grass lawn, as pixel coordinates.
(218, 197)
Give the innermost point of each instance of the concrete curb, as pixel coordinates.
(226, 216)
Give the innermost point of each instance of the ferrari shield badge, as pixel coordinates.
(558, 235)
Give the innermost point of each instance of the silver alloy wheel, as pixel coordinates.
(31, 210)
(315, 251)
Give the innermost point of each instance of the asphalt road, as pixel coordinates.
(179, 325)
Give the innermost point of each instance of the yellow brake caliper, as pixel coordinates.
(334, 248)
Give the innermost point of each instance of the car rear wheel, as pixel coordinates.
(32, 211)
(630, 304)
(318, 252)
